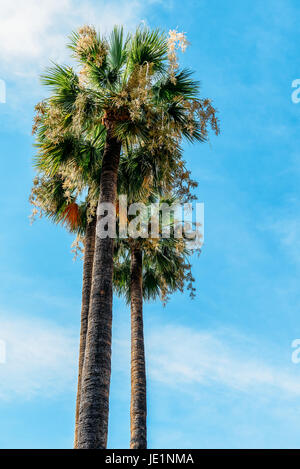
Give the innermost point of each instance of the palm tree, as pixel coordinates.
(94, 405)
(55, 194)
(149, 269)
(129, 86)
(48, 197)
(89, 249)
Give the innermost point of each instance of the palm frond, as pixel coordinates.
(182, 85)
(64, 84)
(117, 54)
(150, 47)
(71, 216)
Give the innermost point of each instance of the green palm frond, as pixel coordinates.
(165, 271)
(182, 85)
(150, 47)
(151, 284)
(85, 153)
(103, 76)
(73, 40)
(117, 54)
(132, 131)
(64, 84)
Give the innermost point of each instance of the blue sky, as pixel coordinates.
(220, 373)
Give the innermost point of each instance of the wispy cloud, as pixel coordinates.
(34, 31)
(181, 356)
(287, 233)
(283, 224)
(209, 358)
(42, 362)
(41, 358)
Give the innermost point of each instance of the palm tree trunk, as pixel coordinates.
(89, 249)
(138, 405)
(94, 402)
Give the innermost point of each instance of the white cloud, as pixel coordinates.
(181, 356)
(35, 31)
(41, 358)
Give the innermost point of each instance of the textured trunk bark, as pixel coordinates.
(89, 249)
(138, 405)
(94, 402)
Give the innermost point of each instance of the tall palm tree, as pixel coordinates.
(94, 405)
(128, 87)
(89, 250)
(48, 197)
(147, 270)
(56, 197)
